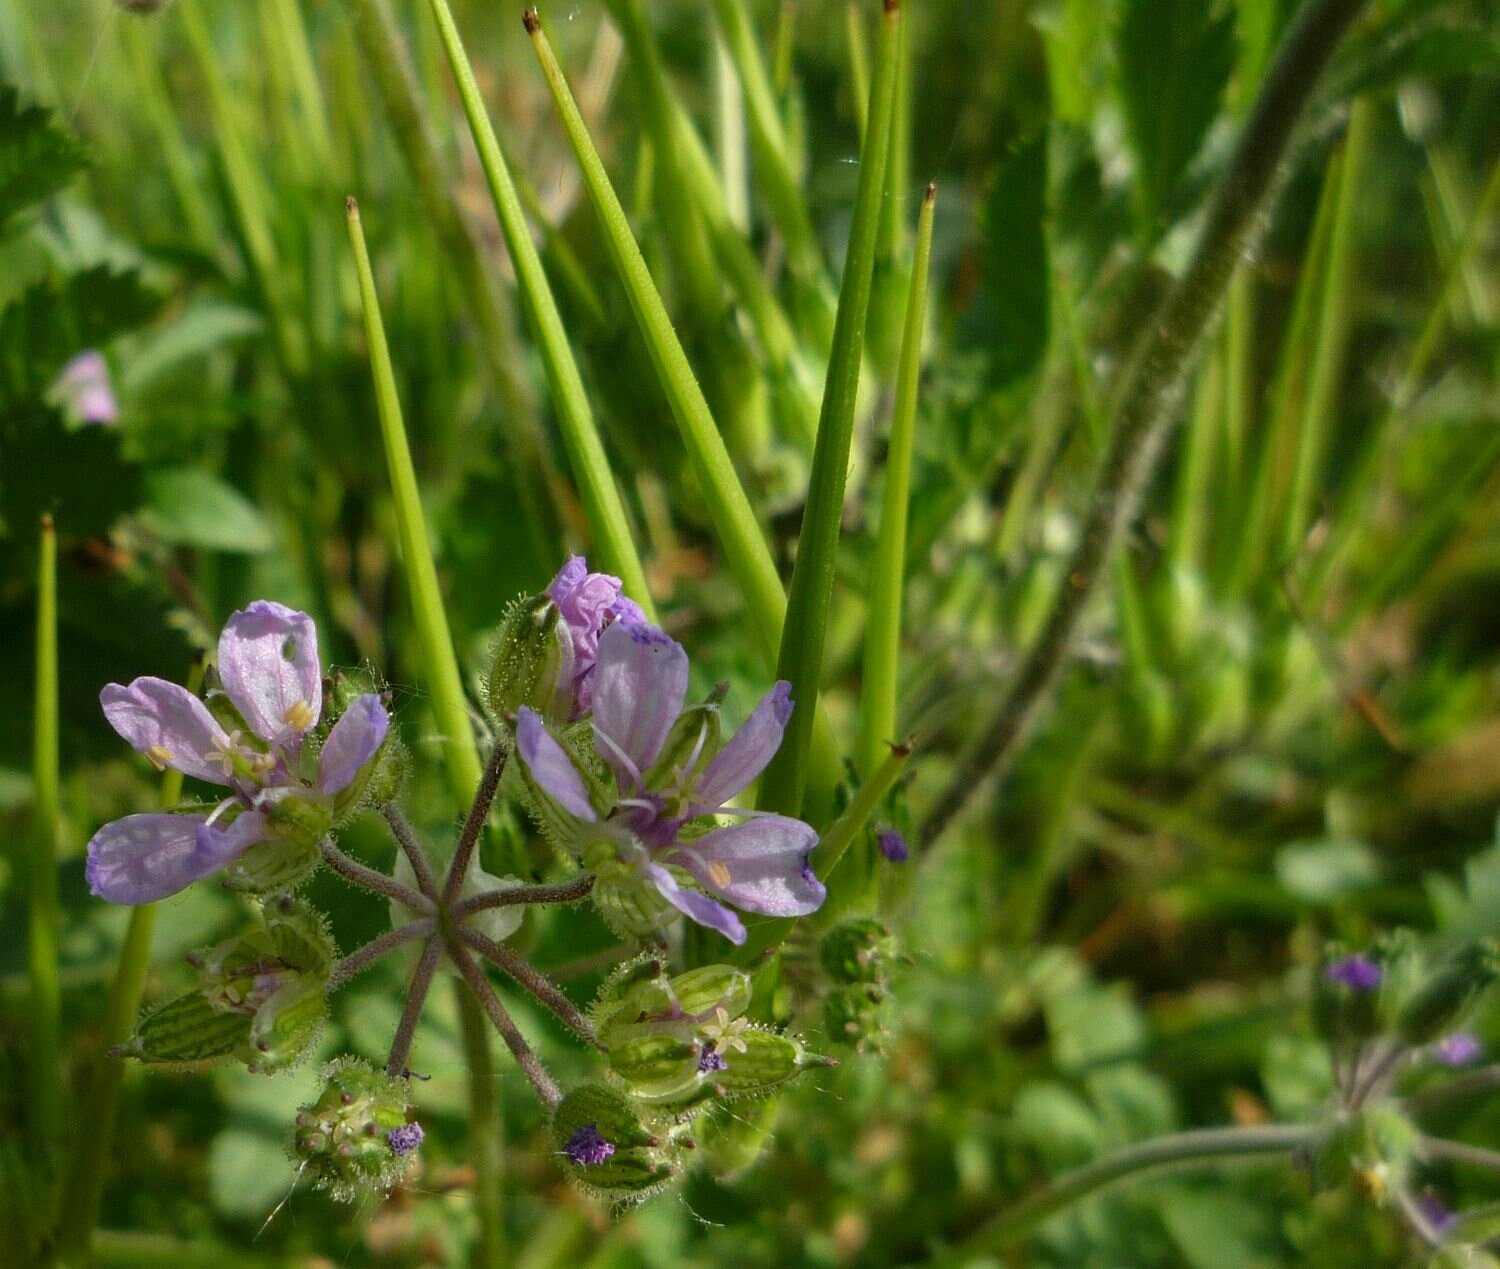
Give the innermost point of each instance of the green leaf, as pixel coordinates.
(1008, 319)
(202, 327)
(187, 506)
(36, 159)
(54, 319)
(78, 476)
(1175, 57)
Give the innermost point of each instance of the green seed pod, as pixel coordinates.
(1449, 992)
(621, 995)
(602, 1144)
(857, 951)
(644, 1054)
(701, 991)
(756, 1061)
(186, 1030)
(286, 1028)
(532, 662)
(344, 1137)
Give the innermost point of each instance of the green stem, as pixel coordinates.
(86, 1182)
(596, 484)
(883, 632)
(1150, 384)
(805, 631)
(44, 1014)
(484, 1130)
(1177, 1152)
(439, 662)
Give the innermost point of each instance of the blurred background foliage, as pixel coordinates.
(1284, 723)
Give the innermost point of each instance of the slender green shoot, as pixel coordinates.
(859, 66)
(883, 627)
(485, 1129)
(844, 831)
(444, 680)
(92, 1152)
(596, 484)
(43, 1060)
(811, 592)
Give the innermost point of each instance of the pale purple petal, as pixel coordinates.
(639, 686)
(588, 602)
(550, 765)
(352, 743)
(143, 858)
(748, 751)
(760, 865)
(268, 661)
(168, 724)
(83, 389)
(695, 906)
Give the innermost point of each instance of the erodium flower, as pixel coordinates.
(668, 789)
(268, 664)
(84, 391)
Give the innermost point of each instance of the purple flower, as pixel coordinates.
(711, 1060)
(1358, 973)
(1437, 1214)
(83, 389)
(1458, 1049)
(586, 1147)
(640, 683)
(268, 664)
(589, 603)
(893, 846)
(406, 1138)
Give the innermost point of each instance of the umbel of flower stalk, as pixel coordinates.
(257, 739)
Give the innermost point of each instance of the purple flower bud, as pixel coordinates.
(586, 1147)
(1458, 1049)
(406, 1138)
(893, 846)
(1358, 973)
(709, 1060)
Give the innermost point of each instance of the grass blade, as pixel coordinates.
(596, 484)
(805, 633)
(883, 630)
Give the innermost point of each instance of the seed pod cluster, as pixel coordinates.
(355, 1136)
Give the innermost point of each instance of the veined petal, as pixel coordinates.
(759, 866)
(268, 661)
(639, 684)
(352, 743)
(550, 765)
(143, 858)
(746, 753)
(168, 724)
(695, 906)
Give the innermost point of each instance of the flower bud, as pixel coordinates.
(757, 1061)
(1346, 996)
(855, 1015)
(653, 1058)
(1448, 993)
(532, 662)
(355, 1137)
(857, 951)
(603, 1145)
(186, 1030)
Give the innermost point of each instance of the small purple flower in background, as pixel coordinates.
(406, 1138)
(1458, 1049)
(639, 688)
(1358, 973)
(83, 390)
(589, 603)
(586, 1147)
(893, 845)
(1438, 1215)
(268, 664)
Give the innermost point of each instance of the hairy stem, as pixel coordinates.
(362, 958)
(355, 872)
(479, 811)
(1150, 385)
(1170, 1153)
(564, 892)
(531, 1065)
(1458, 1152)
(411, 1011)
(532, 980)
(406, 835)
(486, 1135)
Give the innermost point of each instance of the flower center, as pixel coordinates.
(586, 1147)
(718, 873)
(159, 756)
(299, 717)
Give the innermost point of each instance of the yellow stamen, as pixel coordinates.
(718, 873)
(299, 716)
(159, 756)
